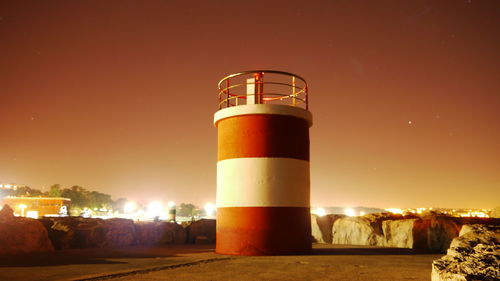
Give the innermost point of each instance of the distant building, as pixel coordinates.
(8, 186)
(35, 207)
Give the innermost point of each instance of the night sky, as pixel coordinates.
(119, 96)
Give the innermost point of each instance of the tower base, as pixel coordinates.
(258, 231)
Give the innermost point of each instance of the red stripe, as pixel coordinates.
(263, 135)
(263, 231)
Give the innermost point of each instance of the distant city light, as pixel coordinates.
(319, 212)
(22, 207)
(349, 212)
(155, 209)
(32, 214)
(8, 186)
(395, 210)
(129, 207)
(86, 212)
(361, 213)
(171, 204)
(209, 209)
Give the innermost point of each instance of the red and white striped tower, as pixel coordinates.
(263, 189)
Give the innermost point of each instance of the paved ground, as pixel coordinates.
(193, 262)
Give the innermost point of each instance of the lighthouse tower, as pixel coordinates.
(263, 189)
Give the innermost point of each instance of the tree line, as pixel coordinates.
(82, 198)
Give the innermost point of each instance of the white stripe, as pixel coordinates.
(263, 182)
(250, 109)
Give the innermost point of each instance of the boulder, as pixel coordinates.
(321, 227)
(416, 233)
(154, 233)
(6, 213)
(495, 213)
(203, 227)
(201, 240)
(87, 233)
(78, 232)
(474, 255)
(356, 231)
(431, 232)
(442, 230)
(399, 233)
(20, 235)
(59, 233)
(119, 232)
(363, 230)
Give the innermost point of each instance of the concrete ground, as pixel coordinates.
(195, 262)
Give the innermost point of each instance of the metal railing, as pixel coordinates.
(247, 87)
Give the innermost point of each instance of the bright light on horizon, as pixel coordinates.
(209, 209)
(129, 207)
(395, 211)
(349, 212)
(155, 208)
(171, 204)
(319, 212)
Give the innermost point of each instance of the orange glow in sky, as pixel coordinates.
(119, 96)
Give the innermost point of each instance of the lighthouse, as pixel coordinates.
(263, 181)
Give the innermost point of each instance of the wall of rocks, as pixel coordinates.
(23, 235)
(431, 232)
(20, 235)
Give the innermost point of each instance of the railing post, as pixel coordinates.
(259, 87)
(306, 98)
(227, 93)
(294, 101)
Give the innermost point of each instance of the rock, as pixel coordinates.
(321, 227)
(153, 233)
(399, 233)
(119, 232)
(442, 230)
(417, 233)
(20, 235)
(147, 233)
(88, 233)
(59, 233)
(495, 213)
(474, 255)
(203, 227)
(431, 232)
(364, 230)
(173, 234)
(78, 232)
(6, 213)
(201, 240)
(316, 233)
(356, 231)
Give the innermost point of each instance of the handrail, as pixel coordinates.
(280, 97)
(295, 95)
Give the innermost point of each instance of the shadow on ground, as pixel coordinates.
(120, 256)
(98, 256)
(369, 251)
